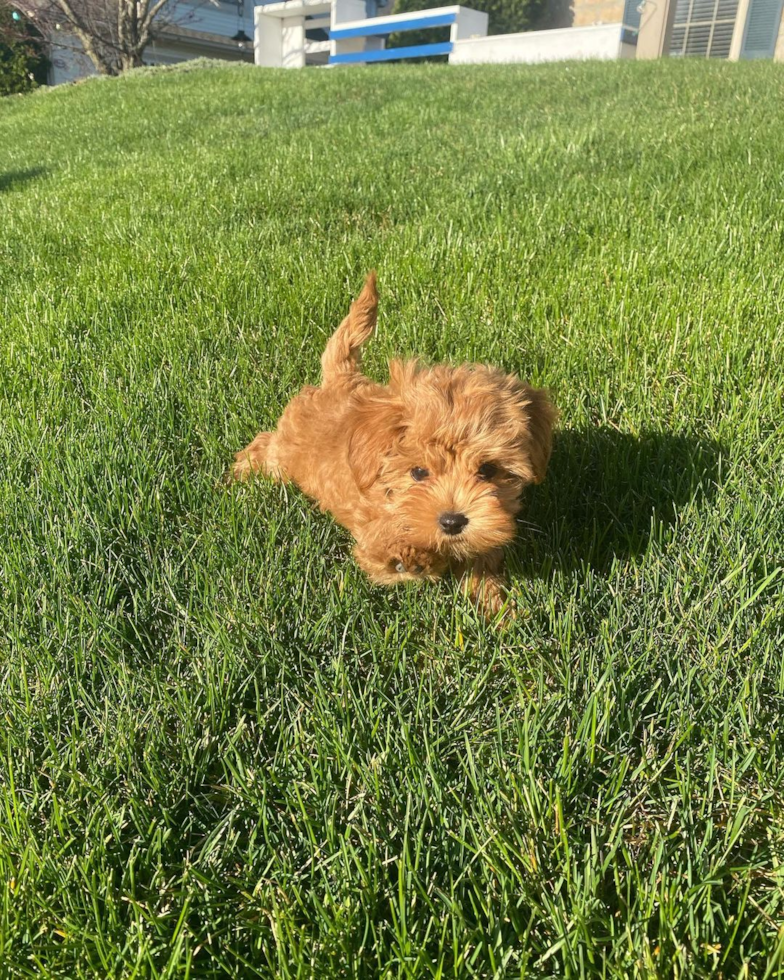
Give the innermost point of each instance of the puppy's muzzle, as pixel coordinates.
(452, 523)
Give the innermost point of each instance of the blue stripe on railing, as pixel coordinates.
(391, 54)
(407, 24)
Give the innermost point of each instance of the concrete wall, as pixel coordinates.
(575, 43)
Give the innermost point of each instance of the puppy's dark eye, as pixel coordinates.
(487, 471)
(419, 473)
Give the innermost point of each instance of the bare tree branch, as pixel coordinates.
(150, 18)
(80, 29)
(157, 8)
(113, 33)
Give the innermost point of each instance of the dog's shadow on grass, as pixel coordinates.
(607, 492)
(15, 178)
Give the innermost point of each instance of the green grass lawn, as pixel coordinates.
(224, 753)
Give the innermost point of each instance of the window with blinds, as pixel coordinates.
(703, 28)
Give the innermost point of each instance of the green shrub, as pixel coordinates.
(23, 63)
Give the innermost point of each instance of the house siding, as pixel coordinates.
(214, 18)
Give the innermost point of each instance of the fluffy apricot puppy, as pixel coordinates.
(426, 472)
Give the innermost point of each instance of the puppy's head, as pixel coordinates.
(452, 449)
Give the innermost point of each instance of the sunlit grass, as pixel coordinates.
(224, 752)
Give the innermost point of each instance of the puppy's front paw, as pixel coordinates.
(410, 562)
(491, 598)
(254, 458)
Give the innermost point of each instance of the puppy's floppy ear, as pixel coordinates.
(376, 428)
(541, 416)
(533, 416)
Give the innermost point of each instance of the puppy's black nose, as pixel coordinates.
(452, 523)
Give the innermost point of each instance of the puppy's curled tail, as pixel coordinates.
(341, 358)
